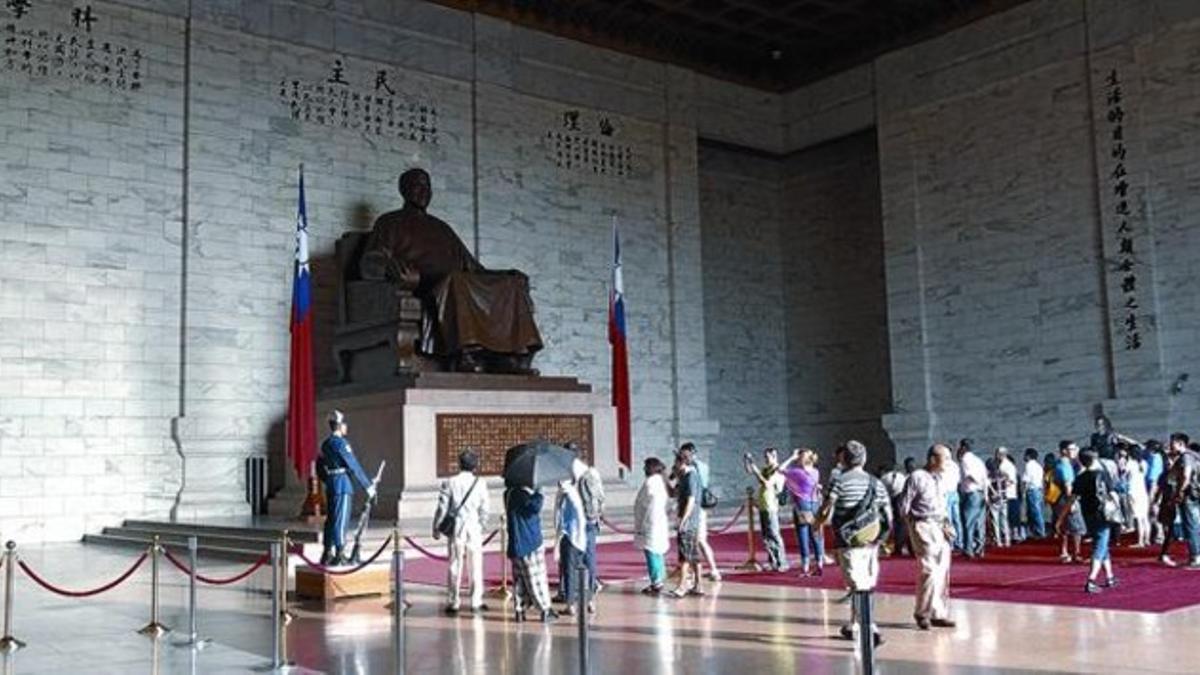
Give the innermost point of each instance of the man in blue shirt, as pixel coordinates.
(688, 450)
(337, 467)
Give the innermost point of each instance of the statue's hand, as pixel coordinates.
(404, 274)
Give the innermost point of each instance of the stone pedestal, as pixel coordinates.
(414, 427)
(314, 584)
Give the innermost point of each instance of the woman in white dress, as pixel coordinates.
(652, 531)
(1133, 471)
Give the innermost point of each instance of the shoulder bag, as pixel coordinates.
(449, 523)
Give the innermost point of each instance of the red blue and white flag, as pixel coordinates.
(301, 415)
(620, 354)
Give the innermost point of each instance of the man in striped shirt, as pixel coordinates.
(847, 497)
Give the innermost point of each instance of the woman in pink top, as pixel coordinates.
(804, 484)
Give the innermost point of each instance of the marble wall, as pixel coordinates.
(833, 278)
(745, 308)
(146, 232)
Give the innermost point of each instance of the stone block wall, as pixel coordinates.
(147, 236)
(745, 307)
(90, 270)
(836, 321)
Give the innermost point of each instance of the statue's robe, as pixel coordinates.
(467, 307)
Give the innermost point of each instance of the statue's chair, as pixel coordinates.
(374, 316)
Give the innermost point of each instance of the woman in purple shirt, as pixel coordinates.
(804, 484)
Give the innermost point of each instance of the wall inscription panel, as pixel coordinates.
(492, 435)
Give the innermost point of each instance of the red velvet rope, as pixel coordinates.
(733, 520)
(263, 560)
(437, 556)
(82, 594)
(424, 551)
(722, 530)
(299, 551)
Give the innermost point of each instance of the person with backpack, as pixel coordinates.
(1069, 522)
(708, 501)
(462, 513)
(1185, 481)
(1095, 492)
(592, 497)
(570, 533)
(923, 505)
(771, 487)
(857, 505)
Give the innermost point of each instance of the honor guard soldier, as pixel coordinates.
(337, 467)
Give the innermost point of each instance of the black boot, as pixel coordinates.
(327, 556)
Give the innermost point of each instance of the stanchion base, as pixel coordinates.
(392, 605)
(749, 566)
(285, 667)
(196, 643)
(501, 592)
(154, 630)
(10, 644)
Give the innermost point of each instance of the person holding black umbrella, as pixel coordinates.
(523, 508)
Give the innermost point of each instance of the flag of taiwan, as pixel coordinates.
(301, 416)
(620, 355)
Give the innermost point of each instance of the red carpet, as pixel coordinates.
(1027, 573)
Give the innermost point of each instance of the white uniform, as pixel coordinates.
(467, 541)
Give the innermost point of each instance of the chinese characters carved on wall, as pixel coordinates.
(1127, 263)
(585, 144)
(376, 108)
(74, 54)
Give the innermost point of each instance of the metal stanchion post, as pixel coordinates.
(285, 555)
(398, 602)
(279, 662)
(397, 554)
(154, 629)
(193, 640)
(276, 658)
(751, 564)
(585, 588)
(866, 636)
(8, 643)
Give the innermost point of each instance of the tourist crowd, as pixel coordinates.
(956, 501)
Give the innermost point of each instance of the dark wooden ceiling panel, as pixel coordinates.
(772, 44)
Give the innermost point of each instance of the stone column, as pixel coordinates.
(689, 376)
(911, 424)
(1139, 405)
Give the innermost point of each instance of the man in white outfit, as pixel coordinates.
(924, 507)
(463, 498)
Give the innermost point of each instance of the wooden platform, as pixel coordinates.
(314, 584)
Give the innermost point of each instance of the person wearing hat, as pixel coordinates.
(337, 468)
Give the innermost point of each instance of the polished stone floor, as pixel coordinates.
(736, 628)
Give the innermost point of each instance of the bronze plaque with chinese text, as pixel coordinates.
(492, 435)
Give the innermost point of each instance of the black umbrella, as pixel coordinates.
(538, 463)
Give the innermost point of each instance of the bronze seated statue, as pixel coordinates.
(412, 284)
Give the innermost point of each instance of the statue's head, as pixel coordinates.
(415, 188)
